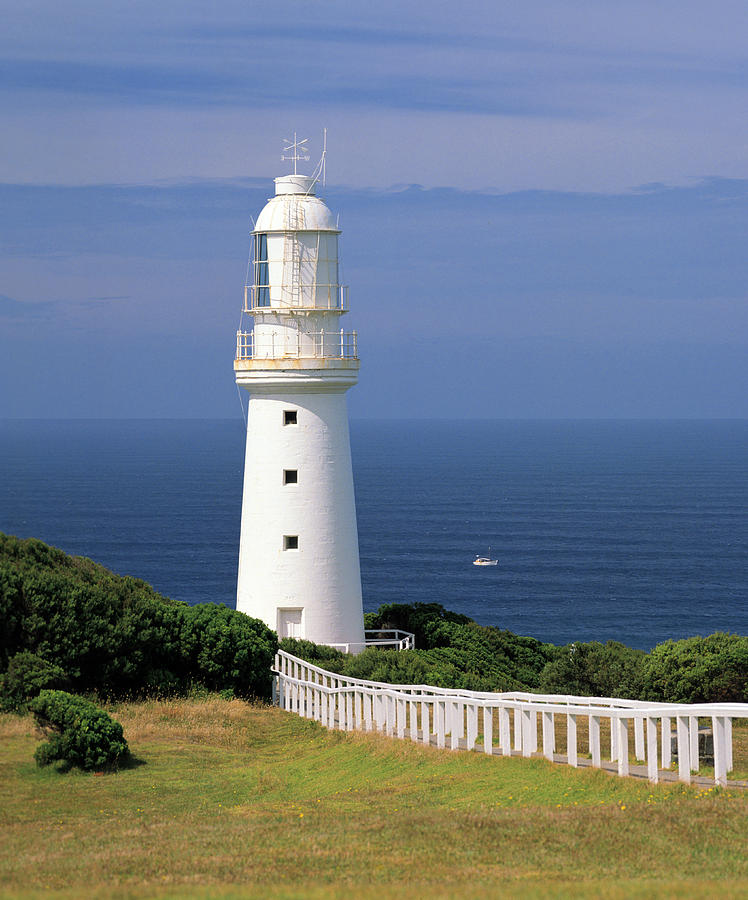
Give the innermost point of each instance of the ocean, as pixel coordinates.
(635, 531)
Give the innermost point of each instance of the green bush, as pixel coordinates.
(116, 636)
(713, 669)
(413, 617)
(80, 733)
(451, 651)
(318, 654)
(27, 675)
(500, 659)
(225, 649)
(595, 670)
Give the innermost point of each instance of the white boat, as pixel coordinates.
(485, 560)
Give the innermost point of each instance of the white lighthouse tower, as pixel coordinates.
(298, 555)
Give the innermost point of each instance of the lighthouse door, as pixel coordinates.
(289, 623)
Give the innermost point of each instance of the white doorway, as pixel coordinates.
(289, 622)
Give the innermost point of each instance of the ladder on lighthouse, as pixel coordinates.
(292, 285)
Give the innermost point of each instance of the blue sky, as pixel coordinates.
(544, 205)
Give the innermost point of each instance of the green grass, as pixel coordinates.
(230, 800)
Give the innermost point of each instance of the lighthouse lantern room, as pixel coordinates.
(298, 554)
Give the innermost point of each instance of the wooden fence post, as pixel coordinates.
(487, 729)
(505, 738)
(623, 745)
(684, 763)
(719, 736)
(653, 772)
(548, 726)
(594, 743)
(666, 737)
(571, 740)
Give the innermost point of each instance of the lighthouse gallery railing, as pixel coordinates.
(426, 713)
(306, 345)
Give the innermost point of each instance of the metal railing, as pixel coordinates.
(298, 345)
(400, 640)
(321, 297)
(430, 714)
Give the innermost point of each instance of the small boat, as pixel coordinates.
(485, 560)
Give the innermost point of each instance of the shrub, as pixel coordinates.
(451, 651)
(110, 634)
(116, 636)
(413, 617)
(81, 734)
(226, 649)
(500, 659)
(595, 670)
(27, 675)
(454, 651)
(320, 655)
(713, 669)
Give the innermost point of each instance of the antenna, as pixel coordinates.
(300, 151)
(324, 157)
(320, 170)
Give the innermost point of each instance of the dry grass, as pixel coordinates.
(232, 800)
(212, 720)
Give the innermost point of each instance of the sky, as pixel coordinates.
(544, 205)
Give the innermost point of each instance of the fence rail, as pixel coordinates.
(457, 718)
(385, 638)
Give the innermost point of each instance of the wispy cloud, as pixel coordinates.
(430, 68)
(12, 310)
(252, 86)
(18, 311)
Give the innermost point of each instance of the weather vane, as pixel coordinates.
(298, 148)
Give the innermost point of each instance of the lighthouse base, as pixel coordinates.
(298, 556)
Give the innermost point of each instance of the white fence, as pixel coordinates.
(455, 718)
(384, 638)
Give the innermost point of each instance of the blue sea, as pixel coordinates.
(635, 531)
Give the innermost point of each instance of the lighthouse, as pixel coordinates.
(298, 553)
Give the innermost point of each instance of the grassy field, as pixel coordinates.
(230, 800)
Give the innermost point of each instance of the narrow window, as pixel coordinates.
(290, 542)
(290, 417)
(262, 286)
(290, 476)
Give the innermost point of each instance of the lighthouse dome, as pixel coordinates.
(295, 208)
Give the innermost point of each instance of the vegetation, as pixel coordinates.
(27, 675)
(452, 651)
(70, 623)
(455, 652)
(272, 805)
(595, 670)
(116, 636)
(698, 670)
(234, 800)
(80, 733)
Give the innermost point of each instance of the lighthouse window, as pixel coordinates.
(290, 417)
(290, 476)
(290, 542)
(262, 287)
